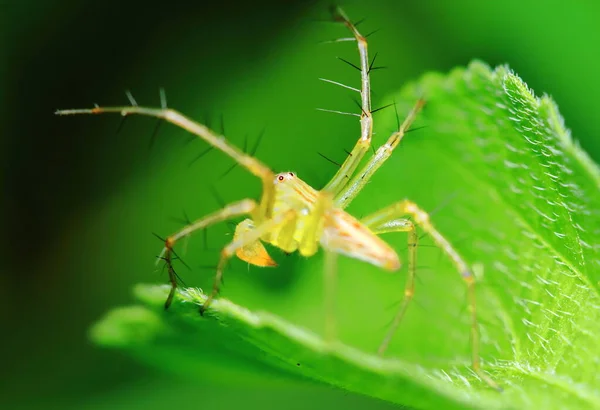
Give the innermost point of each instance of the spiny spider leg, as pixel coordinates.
(398, 225)
(342, 176)
(243, 207)
(384, 221)
(253, 165)
(360, 179)
(244, 239)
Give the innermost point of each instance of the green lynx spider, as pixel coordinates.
(293, 216)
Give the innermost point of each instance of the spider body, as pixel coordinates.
(312, 223)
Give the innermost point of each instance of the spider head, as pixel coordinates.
(284, 177)
(286, 184)
(291, 190)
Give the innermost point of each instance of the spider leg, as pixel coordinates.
(342, 176)
(384, 220)
(254, 252)
(321, 219)
(330, 284)
(244, 239)
(257, 168)
(361, 178)
(242, 207)
(399, 225)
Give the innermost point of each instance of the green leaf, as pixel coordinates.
(526, 208)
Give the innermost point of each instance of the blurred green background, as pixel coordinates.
(81, 200)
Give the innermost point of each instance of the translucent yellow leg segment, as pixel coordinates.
(254, 253)
(243, 207)
(244, 239)
(399, 225)
(388, 217)
(309, 245)
(330, 284)
(342, 176)
(253, 165)
(358, 182)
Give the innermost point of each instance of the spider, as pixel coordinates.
(293, 216)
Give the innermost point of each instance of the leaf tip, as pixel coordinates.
(126, 326)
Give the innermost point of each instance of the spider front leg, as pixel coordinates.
(244, 207)
(342, 176)
(384, 221)
(245, 238)
(217, 141)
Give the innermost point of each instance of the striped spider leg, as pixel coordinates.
(293, 216)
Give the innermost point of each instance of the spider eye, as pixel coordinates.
(291, 174)
(280, 177)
